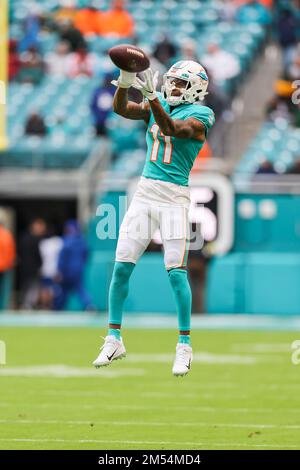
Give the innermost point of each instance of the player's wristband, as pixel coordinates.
(125, 80)
(151, 96)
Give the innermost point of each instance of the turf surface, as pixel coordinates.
(243, 392)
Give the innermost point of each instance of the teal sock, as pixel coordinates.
(118, 291)
(114, 332)
(186, 339)
(183, 297)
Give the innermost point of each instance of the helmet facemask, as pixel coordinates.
(196, 84)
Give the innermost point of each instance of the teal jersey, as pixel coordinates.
(169, 158)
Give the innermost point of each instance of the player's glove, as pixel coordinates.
(125, 80)
(147, 85)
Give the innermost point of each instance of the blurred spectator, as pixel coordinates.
(266, 168)
(101, 105)
(293, 69)
(202, 158)
(67, 11)
(58, 62)
(295, 168)
(7, 250)
(267, 3)
(31, 28)
(189, 50)
(50, 248)
(89, 20)
(35, 125)
(222, 65)
(71, 35)
(71, 264)
(14, 62)
(30, 262)
(253, 12)
(117, 21)
(164, 51)
(197, 269)
(288, 25)
(280, 107)
(82, 62)
(32, 67)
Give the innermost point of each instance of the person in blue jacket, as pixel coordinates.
(71, 264)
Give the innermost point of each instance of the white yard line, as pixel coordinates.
(180, 443)
(63, 371)
(262, 347)
(151, 423)
(116, 406)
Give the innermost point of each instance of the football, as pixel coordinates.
(129, 58)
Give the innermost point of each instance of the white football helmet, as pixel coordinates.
(196, 82)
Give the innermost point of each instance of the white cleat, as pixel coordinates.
(183, 359)
(111, 350)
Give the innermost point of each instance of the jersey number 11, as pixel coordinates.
(168, 146)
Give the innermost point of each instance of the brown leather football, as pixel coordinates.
(130, 58)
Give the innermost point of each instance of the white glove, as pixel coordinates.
(125, 80)
(147, 85)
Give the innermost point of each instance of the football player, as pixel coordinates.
(177, 127)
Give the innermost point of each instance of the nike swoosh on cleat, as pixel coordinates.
(110, 357)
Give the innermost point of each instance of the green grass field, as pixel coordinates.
(243, 392)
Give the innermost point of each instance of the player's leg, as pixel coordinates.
(136, 231)
(174, 229)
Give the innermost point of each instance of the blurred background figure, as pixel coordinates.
(31, 29)
(295, 168)
(65, 12)
(221, 64)
(32, 67)
(30, 263)
(117, 21)
(288, 23)
(50, 248)
(164, 50)
(35, 125)
(72, 35)
(293, 63)
(266, 168)
(14, 62)
(81, 62)
(7, 255)
(70, 268)
(189, 50)
(89, 20)
(101, 105)
(58, 61)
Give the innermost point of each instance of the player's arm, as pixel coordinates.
(190, 128)
(129, 109)
(121, 105)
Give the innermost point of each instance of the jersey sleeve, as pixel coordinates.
(205, 115)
